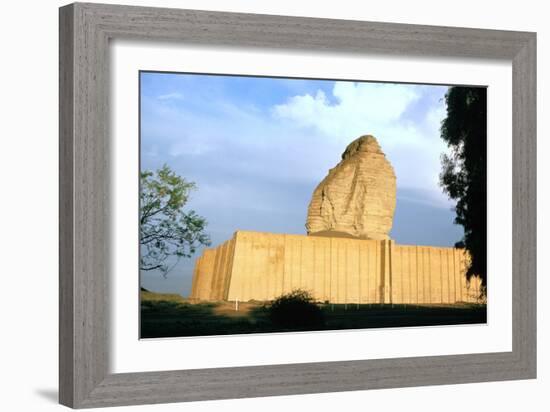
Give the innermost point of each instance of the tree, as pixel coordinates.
(165, 228)
(464, 171)
(296, 310)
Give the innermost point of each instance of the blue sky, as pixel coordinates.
(258, 147)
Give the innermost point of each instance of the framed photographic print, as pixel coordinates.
(266, 275)
(257, 205)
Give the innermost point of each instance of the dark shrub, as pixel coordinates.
(296, 310)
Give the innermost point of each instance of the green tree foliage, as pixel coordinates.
(165, 228)
(296, 310)
(464, 170)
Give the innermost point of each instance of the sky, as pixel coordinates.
(257, 147)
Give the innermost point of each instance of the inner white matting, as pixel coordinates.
(129, 354)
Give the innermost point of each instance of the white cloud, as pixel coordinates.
(190, 147)
(318, 127)
(406, 127)
(359, 108)
(434, 117)
(171, 96)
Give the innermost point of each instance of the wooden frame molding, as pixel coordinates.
(85, 31)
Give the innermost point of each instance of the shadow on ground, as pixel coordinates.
(174, 316)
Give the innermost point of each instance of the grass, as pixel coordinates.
(171, 315)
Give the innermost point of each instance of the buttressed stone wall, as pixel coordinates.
(263, 266)
(349, 258)
(357, 198)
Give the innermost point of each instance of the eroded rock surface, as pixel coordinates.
(357, 198)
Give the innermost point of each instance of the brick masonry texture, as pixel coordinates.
(261, 266)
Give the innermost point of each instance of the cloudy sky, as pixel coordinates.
(258, 147)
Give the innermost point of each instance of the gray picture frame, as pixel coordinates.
(85, 32)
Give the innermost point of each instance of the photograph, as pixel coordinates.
(275, 205)
(284, 205)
